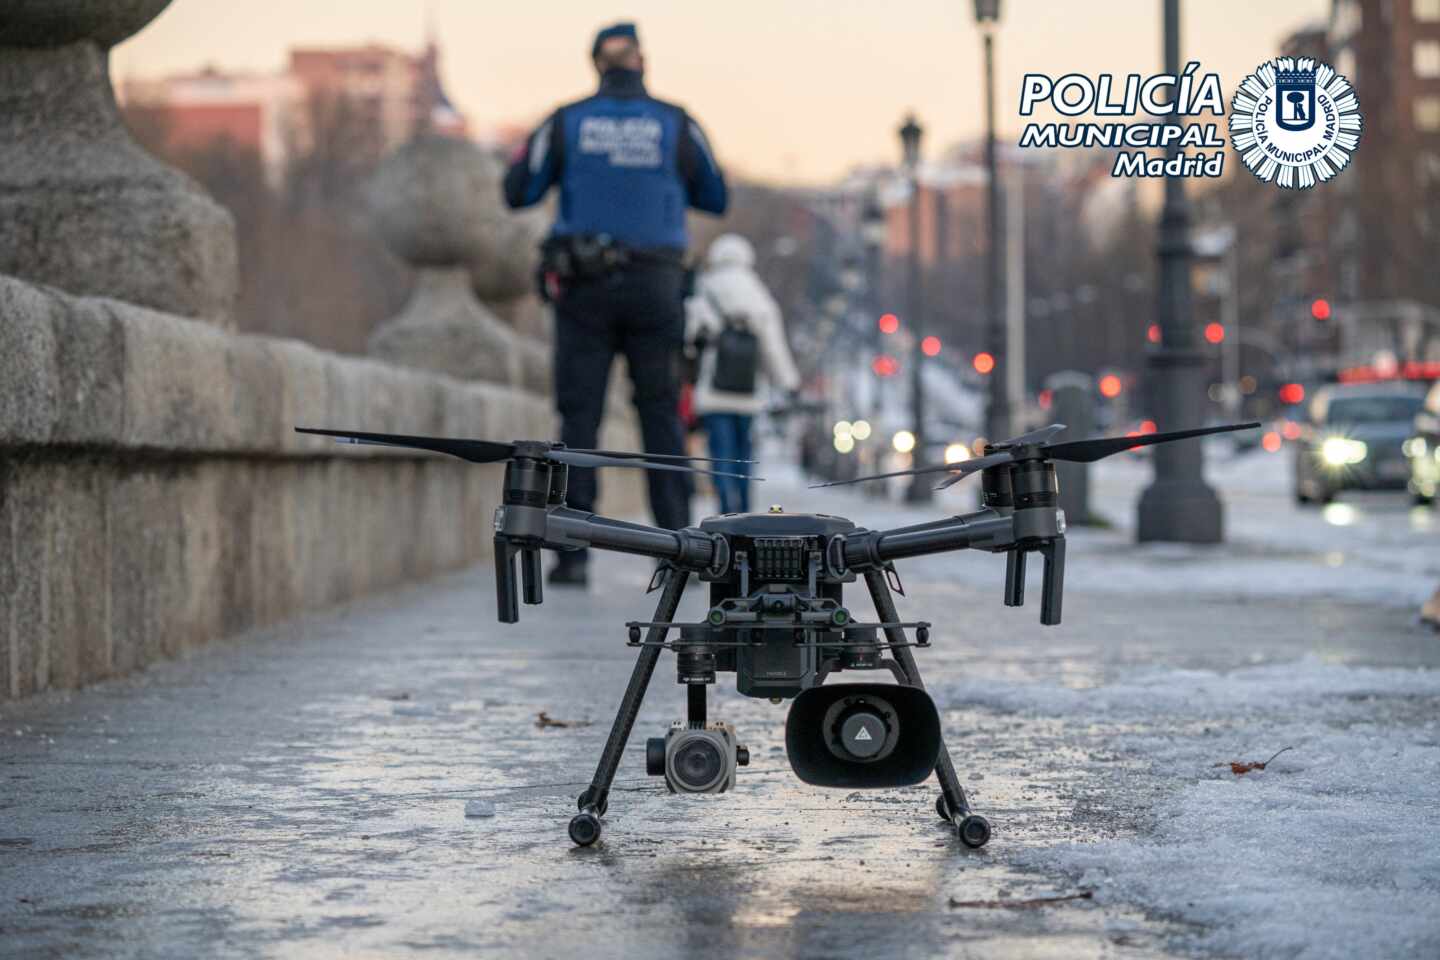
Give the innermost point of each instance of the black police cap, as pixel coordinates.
(622, 29)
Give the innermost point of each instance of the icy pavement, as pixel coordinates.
(305, 793)
(1370, 547)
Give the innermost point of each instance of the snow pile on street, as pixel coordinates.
(1177, 696)
(1332, 851)
(1333, 855)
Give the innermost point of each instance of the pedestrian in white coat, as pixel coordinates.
(735, 327)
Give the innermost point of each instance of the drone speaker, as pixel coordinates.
(857, 735)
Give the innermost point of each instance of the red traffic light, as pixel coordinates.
(1320, 309)
(930, 346)
(1292, 393)
(889, 323)
(1152, 333)
(1110, 386)
(983, 363)
(1214, 332)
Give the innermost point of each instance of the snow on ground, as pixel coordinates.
(1369, 547)
(1332, 851)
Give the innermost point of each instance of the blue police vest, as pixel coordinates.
(621, 172)
(627, 165)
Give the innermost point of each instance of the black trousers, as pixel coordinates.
(637, 312)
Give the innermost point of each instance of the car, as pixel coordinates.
(1424, 449)
(1356, 438)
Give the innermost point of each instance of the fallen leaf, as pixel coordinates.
(1020, 904)
(543, 720)
(1240, 768)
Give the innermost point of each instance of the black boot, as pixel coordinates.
(570, 570)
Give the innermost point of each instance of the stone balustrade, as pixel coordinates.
(153, 494)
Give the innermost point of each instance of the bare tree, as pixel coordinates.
(311, 265)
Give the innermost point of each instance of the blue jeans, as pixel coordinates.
(729, 435)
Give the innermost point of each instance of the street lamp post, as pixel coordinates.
(997, 418)
(873, 232)
(919, 490)
(1221, 246)
(1178, 505)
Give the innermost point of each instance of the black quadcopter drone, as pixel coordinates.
(777, 617)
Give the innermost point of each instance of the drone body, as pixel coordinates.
(777, 617)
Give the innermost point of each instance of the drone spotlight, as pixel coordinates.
(777, 617)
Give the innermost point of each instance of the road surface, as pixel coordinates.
(302, 793)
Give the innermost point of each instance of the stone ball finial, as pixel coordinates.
(436, 202)
(82, 206)
(55, 23)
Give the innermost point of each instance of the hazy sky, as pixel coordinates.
(795, 90)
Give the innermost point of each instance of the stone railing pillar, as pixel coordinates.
(436, 203)
(82, 206)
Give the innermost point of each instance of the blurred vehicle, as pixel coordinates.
(1356, 438)
(1423, 449)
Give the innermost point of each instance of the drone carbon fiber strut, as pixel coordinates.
(777, 618)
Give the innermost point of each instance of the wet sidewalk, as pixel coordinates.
(303, 793)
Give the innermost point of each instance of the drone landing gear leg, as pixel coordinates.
(972, 829)
(585, 826)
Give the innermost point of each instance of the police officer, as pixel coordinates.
(627, 166)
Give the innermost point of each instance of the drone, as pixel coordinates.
(777, 617)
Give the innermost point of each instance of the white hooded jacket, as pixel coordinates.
(728, 281)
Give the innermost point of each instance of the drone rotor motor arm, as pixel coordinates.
(569, 526)
(984, 529)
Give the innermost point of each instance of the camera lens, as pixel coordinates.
(697, 763)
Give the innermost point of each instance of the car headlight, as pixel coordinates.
(1342, 451)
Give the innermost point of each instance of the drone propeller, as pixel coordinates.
(489, 451)
(968, 466)
(1088, 451)
(476, 451)
(1076, 451)
(1040, 435)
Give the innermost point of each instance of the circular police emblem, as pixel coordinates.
(1295, 122)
